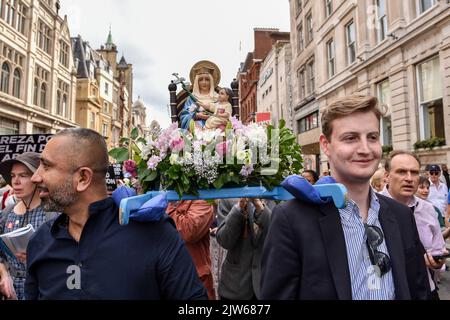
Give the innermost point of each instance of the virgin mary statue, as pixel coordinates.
(205, 77)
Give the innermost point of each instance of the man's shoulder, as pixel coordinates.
(395, 208)
(296, 207)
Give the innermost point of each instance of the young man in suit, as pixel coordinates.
(370, 250)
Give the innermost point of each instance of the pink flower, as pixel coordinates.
(153, 162)
(177, 144)
(236, 123)
(130, 167)
(222, 148)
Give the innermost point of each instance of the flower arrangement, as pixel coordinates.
(189, 160)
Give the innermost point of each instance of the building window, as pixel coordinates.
(16, 83)
(21, 17)
(105, 107)
(43, 38)
(384, 96)
(381, 20)
(115, 113)
(301, 81)
(35, 92)
(301, 39)
(299, 6)
(351, 42)
(106, 88)
(309, 122)
(92, 124)
(39, 130)
(64, 53)
(43, 96)
(311, 80)
(309, 28)
(331, 58)
(105, 129)
(431, 113)
(8, 126)
(328, 7)
(424, 5)
(10, 9)
(61, 99)
(4, 83)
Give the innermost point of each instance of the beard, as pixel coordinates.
(61, 198)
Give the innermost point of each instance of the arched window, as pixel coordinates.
(16, 83)
(4, 82)
(36, 92)
(64, 106)
(58, 102)
(43, 96)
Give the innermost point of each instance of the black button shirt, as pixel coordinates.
(137, 261)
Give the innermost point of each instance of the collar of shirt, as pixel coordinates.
(412, 203)
(59, 228)
(353, 209)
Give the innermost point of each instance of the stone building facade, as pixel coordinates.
(37, 72)
(398, 51)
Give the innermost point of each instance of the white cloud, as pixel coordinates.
(160, 38)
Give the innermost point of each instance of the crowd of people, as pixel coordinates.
(387, 243)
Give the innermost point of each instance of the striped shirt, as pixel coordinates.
(366, 283)
(36, 217)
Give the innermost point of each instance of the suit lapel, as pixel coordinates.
(334, 243)
(395, 249)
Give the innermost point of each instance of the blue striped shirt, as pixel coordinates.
(366, 283)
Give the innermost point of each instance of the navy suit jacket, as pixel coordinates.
(305, 255)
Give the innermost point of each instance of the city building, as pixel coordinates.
(305, 105)
(139, 118)
(249, 72)
(103, 97)
(274, 91)
(37, 72)
(398, 51)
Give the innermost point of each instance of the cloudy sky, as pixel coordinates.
(163, 37)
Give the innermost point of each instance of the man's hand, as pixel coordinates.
(259, 205)
(7, 287)
(22, 257)
(431, 263)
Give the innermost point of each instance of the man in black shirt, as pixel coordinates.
(85, 253)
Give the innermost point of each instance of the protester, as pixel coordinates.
(438, 191)
(193, 220)
(402, 169)
(242, 231)
(86, 253)
(28, 210)
(378, 180)
(368, 250)
(311, 176)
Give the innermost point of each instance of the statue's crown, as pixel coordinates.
(204, 70)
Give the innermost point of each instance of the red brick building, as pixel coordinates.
(249, 70)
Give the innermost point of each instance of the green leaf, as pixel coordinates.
(142, 140)
(152, 176)
(192, 127)
(124, 140)
(119, 154)
(281, 124)
(134, 133)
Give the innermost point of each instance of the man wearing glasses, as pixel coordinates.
(402, 171)
(370, 250)
(438, 191)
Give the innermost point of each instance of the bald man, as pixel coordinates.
(85, 253)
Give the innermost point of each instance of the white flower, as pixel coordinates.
(146, 151)
(241, 155)
(174, 159)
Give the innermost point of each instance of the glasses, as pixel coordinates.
(434, 173)
(377, 258)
